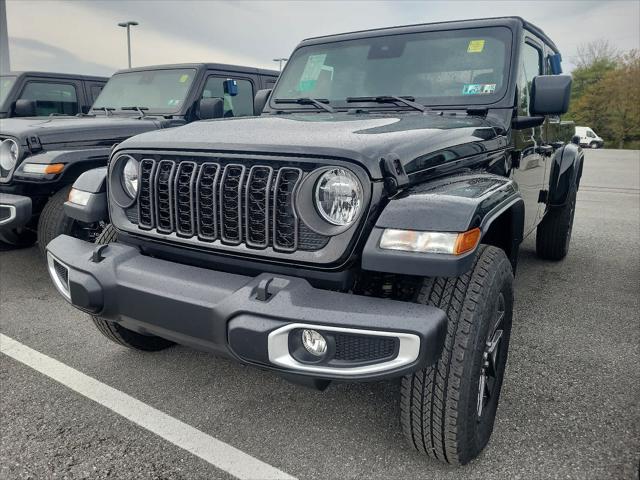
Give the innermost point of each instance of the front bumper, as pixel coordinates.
(15, 211)
(251, 319)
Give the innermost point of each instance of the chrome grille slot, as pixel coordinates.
(184, 195)
(164, 196)
(231, 204)
(206, 201)
(145, 195)
(285, 219)
(257, 206)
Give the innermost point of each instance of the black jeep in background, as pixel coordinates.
(365, 226)
(41, 157)
(29, 94)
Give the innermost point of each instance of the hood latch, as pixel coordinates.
(34, 144)
(395, 176)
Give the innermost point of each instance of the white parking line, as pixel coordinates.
(210, 449)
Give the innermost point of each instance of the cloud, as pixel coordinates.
(255, 32)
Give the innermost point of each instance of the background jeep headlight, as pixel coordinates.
(130, 177)
(9, 152)
(338, 196)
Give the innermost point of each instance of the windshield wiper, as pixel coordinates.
(409, 101)
(318, 102)
(106, 110)
(140, 110)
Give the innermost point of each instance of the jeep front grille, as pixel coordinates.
(232, 203)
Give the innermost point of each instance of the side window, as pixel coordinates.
(52, 97)
(530, 67)
(95, 91)
(238, 106)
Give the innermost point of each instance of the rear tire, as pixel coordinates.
(446, 411)
(116, 332)
(554, 232)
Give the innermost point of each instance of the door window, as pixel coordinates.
(239, 105)
(52, 97)
(530, 67)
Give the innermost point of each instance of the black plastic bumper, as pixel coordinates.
(247, 318)
(15, 211)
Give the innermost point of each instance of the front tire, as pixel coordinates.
(594, 145)
(53, 222)
(116, 332)
(19, 238)
(447, 410)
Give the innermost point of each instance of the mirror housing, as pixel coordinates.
(230, 87)
(575, 140)
(260, 100)
(210, 108)
(24, 108)
(550, 94)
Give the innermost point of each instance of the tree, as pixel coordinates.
(595, 52)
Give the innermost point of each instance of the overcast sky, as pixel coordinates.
(82, 36)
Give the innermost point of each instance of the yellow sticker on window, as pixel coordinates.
(475, 46)
(184, 78)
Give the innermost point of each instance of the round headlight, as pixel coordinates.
(8, 154)
(130, 177)
(338, 196)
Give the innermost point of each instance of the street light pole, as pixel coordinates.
(128, 26)
(280, 60)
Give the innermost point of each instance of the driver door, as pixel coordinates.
(530, 171)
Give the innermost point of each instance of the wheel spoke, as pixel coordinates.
(481, 393)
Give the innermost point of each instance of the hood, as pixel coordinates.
(364, 138)
(69, 130)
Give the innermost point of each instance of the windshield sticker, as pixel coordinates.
(184, 78)
(478, 88)
(475, 46)
(311, 72)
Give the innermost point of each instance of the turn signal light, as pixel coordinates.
(466, 241)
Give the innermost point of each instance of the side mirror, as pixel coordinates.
(550, 94)
(230, 87)
(209, 108)
(260, 100)
(575, 139)
(25, 108)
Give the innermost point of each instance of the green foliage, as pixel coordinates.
(606, 97)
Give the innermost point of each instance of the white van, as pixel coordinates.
(589, 138)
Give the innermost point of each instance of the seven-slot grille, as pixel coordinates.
(232, 203)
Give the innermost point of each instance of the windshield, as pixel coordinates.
(5, 87)
(159, 91)
(458, 67)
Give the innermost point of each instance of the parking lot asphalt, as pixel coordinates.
(569, 408)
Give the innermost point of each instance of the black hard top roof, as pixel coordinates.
(69, 76)
(422, 27)
(211, 66)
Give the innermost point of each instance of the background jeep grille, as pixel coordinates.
(232, 203)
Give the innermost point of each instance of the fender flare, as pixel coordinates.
(76, 162)
(566, 171)
(94, 183)
(448, 205)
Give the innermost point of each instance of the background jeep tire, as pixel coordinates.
(116, 332)
(594, 145)
(19, 238)
(53, 222)
(444, 412)
(554, 232)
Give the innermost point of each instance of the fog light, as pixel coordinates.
(314, 342)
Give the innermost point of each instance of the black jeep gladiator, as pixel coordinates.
(40, 158)
(366, 226)
(28, 94)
